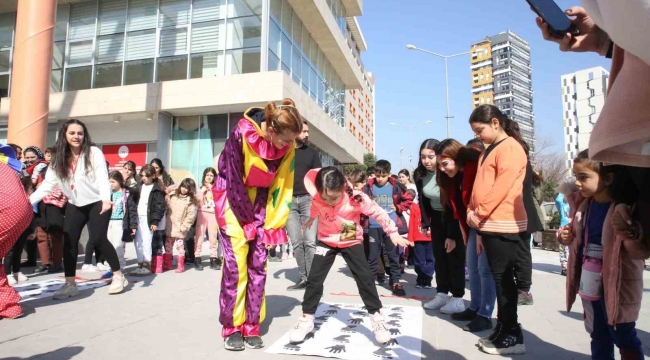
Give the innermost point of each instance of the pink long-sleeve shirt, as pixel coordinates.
(340, 225)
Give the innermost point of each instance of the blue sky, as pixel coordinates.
(410, 85)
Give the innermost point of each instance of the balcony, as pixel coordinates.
(353, 7)
(481, 64)
(321, 24)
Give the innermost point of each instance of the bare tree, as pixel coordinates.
(551, 165)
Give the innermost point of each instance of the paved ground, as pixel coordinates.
(175, 316)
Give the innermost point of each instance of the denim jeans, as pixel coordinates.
(302, 239)
(481, 283)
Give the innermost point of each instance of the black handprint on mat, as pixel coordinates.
(291, 347)
(322, 318)
(393, 323)
(342, 339)
(383, 353)
(355, 321)
(349, 329)
(395, 316)
(309, 336)
(336, 349)
(398, 309)
(337, 307)
(391, 342)
(394, 331)
(361, 313)
(331, 312)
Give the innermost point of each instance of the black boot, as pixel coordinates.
(214, 264)
(509, 342)
(197, 263)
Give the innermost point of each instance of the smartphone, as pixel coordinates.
(558, 23)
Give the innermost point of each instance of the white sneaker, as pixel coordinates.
(379, 328)
(118, 284)
(455, 305)
(20, 277)
(301, 328)
(66, 291)
(12, 280)
(89, 267)
(103, 266)
(144, 272)
(439, 301)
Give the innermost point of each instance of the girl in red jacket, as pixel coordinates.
(422, 250)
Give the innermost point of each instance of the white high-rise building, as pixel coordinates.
(583, 97)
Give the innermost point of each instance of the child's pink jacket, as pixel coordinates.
(339, 226)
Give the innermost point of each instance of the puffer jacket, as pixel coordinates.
(622, 266)
(181, 212)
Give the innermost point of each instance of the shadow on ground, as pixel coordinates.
(277, 306)
(60, 354)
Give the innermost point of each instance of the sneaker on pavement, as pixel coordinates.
(509, 342)
(379, 328)
(455, 305)
(254, 342)
(563, 273)
(484, 340)
(118, 284)
(89, 267)
(135, 272)
(103, 266)
(427, 285)
(66, 291)
(439, 301)
(398, 290)
(20, 277)
(467, 315)
(144, 272)
(55, 269)
(42, 269)
(525, 298)
(285, 256)
(234, 342)
(301, 328)
(12, 280)
(478, 324)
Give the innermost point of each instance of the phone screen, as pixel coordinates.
(552, 14)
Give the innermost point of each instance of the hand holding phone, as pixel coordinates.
(558, 22)
(590, 38)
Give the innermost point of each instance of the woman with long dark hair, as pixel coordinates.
(131, 179)
(161, 173)
(79, 168)
(458, 165)
(497, 211)
(447, 245)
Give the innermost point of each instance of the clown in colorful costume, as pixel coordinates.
(252, 195)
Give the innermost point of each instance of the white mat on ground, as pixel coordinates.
(343, 331)
(47, 288)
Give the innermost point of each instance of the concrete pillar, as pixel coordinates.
(31, 73)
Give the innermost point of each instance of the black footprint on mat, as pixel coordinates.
(349, 329)
(291, 347)
(342, 339)
(383, 353)
(336, 349)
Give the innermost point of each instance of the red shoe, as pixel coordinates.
(180, 260)
(157, 264)
(167, 262)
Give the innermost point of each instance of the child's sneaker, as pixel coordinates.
(301, 328)
(118, 284)
(379, 328)
(66, 291)
(89, 267)
(455, 305)
(12, 280)
(398, 290)
(525, 298)
(438, 302)
(103, 266)
(20, 277)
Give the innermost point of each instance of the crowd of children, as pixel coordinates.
(468, 205)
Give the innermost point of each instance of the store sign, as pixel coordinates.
(117, 155)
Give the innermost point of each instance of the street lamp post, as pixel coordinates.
(445, 57)
(410, 128)
(401, 158)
